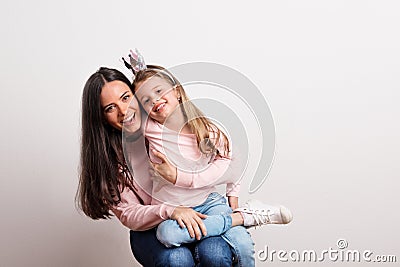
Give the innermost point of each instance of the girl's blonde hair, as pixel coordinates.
(198, 123)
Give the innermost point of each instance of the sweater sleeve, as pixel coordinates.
(220, 170)
(232, 189)
(217, 173)
(212, 175)
(139, 217)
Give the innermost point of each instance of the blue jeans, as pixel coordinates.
(148, 251)
(218, 223)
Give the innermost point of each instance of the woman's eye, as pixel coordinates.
(159, 90)
(109, 109)
(146, 101)
(125, 98)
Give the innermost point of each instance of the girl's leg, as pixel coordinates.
(171, 234)
(242, 245)
(237, 237)
(219, 220)
(148, 251)
(219, 213)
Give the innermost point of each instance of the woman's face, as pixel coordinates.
(158, 98)
(120, 107)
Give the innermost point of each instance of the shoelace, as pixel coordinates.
(261, 217)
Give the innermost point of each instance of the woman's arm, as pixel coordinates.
(139, 217)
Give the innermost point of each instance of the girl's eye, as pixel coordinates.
(146, 101)
(159, 90)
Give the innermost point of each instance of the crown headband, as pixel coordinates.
(136, 61)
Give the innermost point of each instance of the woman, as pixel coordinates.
(106, 184)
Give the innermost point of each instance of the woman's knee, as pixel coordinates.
(175, 257)
(148, 251)
(214, 251)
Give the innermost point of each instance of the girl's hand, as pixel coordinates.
(233, 202)
(190, 219)
(165, 169)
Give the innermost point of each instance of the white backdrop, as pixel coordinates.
(328, 69)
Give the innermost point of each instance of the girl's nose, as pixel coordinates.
(155, 100)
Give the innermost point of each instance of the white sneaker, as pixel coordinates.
(257, 213)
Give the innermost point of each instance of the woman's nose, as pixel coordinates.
(122, 109)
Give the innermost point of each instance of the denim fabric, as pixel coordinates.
(218, 223)
(171, 234)
(242, 245)
(213, 251)
(149, 252)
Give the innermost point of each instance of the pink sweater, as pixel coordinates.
(135, 210)
(195, 170)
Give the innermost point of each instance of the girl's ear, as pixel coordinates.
(177, 92)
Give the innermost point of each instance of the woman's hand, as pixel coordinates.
(190, 219)
(165, 169)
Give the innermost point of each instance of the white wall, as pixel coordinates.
(329, 70)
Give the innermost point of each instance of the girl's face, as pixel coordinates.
(120, 107)
(158, 98)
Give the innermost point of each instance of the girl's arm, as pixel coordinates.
(219, 171)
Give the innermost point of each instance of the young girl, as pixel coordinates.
(200, 153)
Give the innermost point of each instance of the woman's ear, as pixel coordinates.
(104, 120)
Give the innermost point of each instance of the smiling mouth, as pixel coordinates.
(130, 118)
(158, 107)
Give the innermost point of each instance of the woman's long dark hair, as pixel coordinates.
(103, 171)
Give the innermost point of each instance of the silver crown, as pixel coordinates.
(136, 61)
